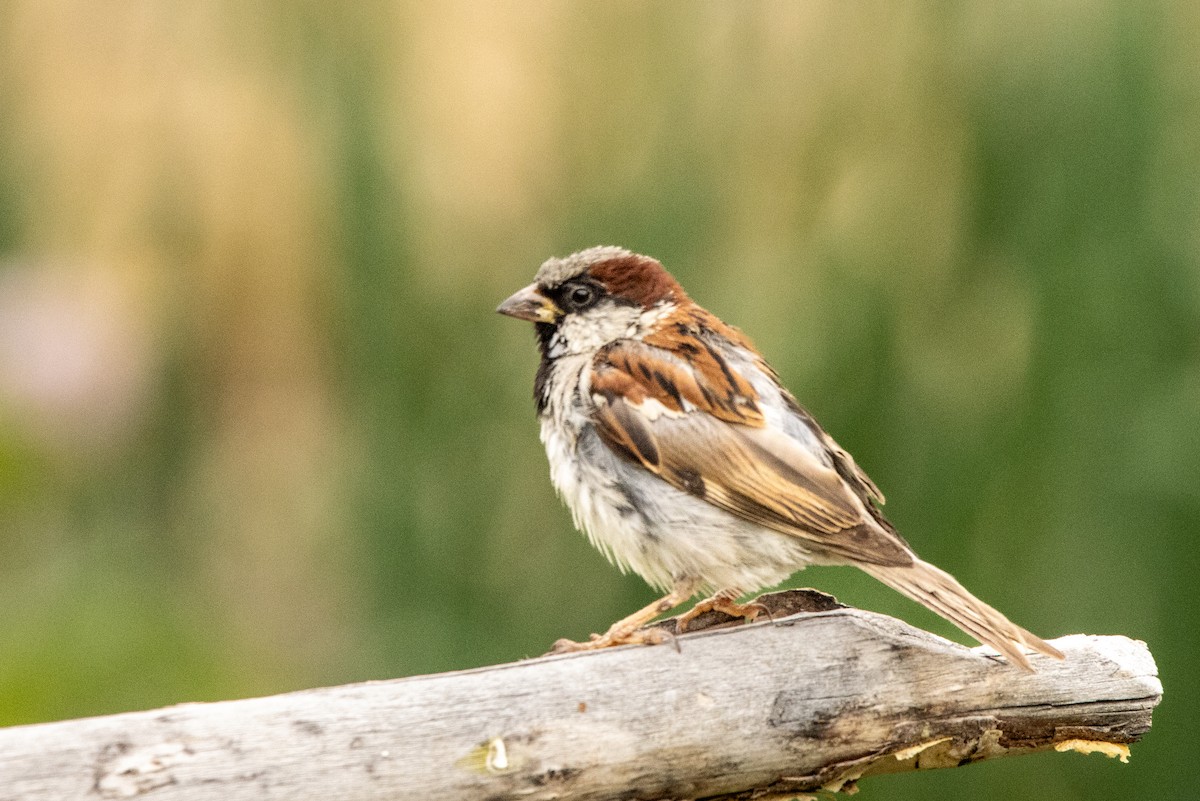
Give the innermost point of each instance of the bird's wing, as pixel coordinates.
(843, 462)
(698, 426)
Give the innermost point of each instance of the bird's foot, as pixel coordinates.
(628, 630)
(722, 602)
(617, 635)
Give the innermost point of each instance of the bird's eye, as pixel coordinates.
(581, 296)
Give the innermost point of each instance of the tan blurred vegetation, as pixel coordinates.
(260, 430)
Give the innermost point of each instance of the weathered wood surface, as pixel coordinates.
(811, 701)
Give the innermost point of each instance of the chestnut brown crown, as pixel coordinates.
(622, 274)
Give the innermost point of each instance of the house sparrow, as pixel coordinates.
(684, 459)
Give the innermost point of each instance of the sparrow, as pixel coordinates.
(683, 458)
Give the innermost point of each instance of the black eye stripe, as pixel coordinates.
(578, 295)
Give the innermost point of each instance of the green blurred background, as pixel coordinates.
(261, 430)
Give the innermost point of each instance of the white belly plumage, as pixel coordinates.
(642, 523)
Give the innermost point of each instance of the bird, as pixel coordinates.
(683, 458)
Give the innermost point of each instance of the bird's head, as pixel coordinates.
(584, 301)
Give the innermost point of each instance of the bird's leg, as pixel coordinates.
(626, 630)
(724, 601)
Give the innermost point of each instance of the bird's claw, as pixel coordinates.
(749, 612)
(651, 636)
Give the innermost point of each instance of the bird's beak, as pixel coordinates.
(530, 304)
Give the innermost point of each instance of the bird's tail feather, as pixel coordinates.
(940, 592)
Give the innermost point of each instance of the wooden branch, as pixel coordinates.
(812, 701)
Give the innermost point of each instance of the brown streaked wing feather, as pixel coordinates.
(624, 430)
(765, 476)
(678, 379)
(688, 336)
(855, 476)
(755, 473)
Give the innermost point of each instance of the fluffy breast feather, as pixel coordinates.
(641, 522)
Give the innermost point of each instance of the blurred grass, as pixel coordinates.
(260, 429)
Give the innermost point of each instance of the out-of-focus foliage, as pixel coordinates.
(261, 430)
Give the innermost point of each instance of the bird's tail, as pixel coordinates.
(940, 592)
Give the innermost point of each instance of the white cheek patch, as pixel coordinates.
(587, 332)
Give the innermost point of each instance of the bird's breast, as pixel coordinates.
(584, 476)
(642, 523)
